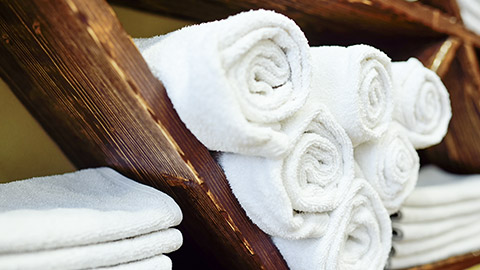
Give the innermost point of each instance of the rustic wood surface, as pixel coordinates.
(460, 262)
(327, 19)
(80, 75)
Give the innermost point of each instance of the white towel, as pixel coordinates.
(470, 12)
(85, 207)
(459, 246)
(413, 214)
(391, 165)
(429, 229)
(440, 195)
(408, 248)
(159, 262)
(289, 197)
(355, 83)
(437, 187)
(422, 103)
(232, 81)
(96, 255)
(358, 236)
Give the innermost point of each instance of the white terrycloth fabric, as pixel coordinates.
(391, 165)
(96, 255)
(289, 197)
(412, 214)
(439, 219)
(470, 12)
(437, 187)
(232, 81)
(358, 236)
(458, 247)
(408, 248)
(355, 83)
(160, 262)
(358, 171)
(429, 229)
(85, 207)
(440, 195)
(422, 103)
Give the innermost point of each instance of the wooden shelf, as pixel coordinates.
(78, 72)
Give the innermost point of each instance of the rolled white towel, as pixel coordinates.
(470, 12)
(289, 197)
(358, 236)
(391, 165)
(355, 83)
(96, 255)
(429, 229)
(85, 207)
(437, 187)
(422, 103)
(159, 262)
(232, 81)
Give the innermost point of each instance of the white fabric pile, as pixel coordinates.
(93, 218)
(310, 147)
(438, 220)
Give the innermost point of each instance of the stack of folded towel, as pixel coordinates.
(88, 219)
(470, 12)
(438, 220)
(310, 147)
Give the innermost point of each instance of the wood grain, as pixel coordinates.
(79, 74)
(326, 19)
(459, 262)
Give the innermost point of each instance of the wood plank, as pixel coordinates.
(449, 7)
(327, 19)
(459, 262)
(80, 75)
(439, 56)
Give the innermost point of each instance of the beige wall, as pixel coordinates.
(25, 149)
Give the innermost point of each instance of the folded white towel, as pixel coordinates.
(422, 103)
(429, 229)
(232, 81)
(96, 255)
(457, 247)
(358, 236)
(436, 187)
(355, 83)
(413, 214)
(85, 207)
(159, 262)
(407, 248)
(391, 165)
(470, 12)
(289, 197)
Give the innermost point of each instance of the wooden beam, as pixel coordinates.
(77, 71)
(328, 20)
(459, 262)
